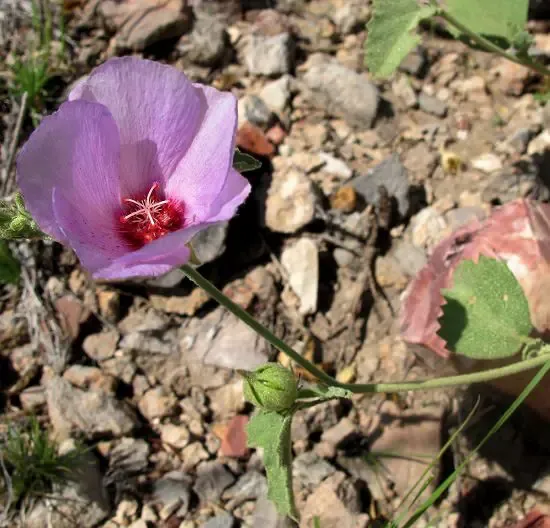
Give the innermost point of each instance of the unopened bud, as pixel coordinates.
(271, 387)
(15, 220)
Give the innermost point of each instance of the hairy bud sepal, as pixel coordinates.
(15, 220)
(271, 387)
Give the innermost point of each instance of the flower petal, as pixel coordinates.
(157, 110)
(96, 245)
(77, 150)
(234, 193)
(153, 259)
(201, 174)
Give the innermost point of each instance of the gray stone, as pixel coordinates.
(223, 520)
(309, 469)
(129, 457)
(93, 413)
(212, 479)
(341, 91)
(141, 23)
(173, 488)
(301, 261)
(252, 108)
(209, 244)
(463, 215)
(208, 42)
(276, 94)
(101, 346)
(411, 258)
(269, 55)
(215, 339)
(390, 173)
(432, 105)
(291, 201)
(250, 486)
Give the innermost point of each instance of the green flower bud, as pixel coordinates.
(15, 220)
(271, 387)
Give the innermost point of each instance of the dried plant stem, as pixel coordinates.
(450, 381)
(14, 142)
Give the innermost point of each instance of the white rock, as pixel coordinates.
(269, 55)
(291, 201)
(428, 227)
(335, 166)
(174, 435)
(276, 94)
(539, 143)
(301, 261)
(488, 162)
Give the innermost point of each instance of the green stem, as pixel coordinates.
(490, 46)
(436, 383)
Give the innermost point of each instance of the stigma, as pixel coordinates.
(149, 217)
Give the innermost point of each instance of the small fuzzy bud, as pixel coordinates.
(15, 220)
(271, 387)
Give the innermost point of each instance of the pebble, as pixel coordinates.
(141, 23)
(310, 470)
(129, 456)
(193, 454)
(156, 403)
(174, 488)
(175, 435)
(432, 105)
(427, 228)
(415, 63)
(291, 201)
(393, 175)
(250, 486)
(301, 261)
(267, 516)
(93, 413)
(487, 162)
(252, 108)
(209, 244)
(335, 166)
(208, 42)
(277, 94)
(212, 479)
(224, 520)
(539, 143)
(341, 91)
(269, 55)
(402, 88)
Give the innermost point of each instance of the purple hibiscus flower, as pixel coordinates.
(132, 167)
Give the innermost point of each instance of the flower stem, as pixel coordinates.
(490, 46)
(435, 383)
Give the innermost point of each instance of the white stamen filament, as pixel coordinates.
(146, 207)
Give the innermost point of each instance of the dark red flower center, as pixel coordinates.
(149, 217)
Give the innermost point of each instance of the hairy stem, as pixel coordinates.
(490, 46)
(436, 383)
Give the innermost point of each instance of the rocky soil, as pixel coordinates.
(143, 372)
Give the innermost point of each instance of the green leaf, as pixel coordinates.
(271, 431)
(392, 33)
(323, 392)
(486, 315)
(503, 19)
(244, 162)
(10, 270)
